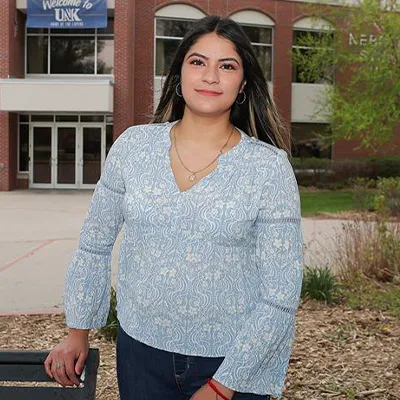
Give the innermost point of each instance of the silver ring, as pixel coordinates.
(59, 364)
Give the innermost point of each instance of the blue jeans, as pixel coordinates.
(146, 373)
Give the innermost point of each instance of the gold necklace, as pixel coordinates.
(192, 176)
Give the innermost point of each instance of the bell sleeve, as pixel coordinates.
(258, 359)
(88, 279)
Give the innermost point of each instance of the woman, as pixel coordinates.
(211, 261)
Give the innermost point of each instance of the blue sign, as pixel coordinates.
(73, 14)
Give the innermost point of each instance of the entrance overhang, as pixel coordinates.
(57, 95)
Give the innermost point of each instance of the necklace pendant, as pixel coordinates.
(192, 177)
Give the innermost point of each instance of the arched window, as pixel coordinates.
(317, 30)
(259, 29)
(171, 24)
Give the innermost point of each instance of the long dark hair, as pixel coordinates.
(258, 115)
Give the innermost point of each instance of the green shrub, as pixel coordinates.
(387, 199)
(333, 174)
(109, 331)
(319, 284)
(363, 193)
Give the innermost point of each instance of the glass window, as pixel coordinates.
(66, 118)
(92, 118)
(261, 39)
(42, 118)
(307, 140)
(165, 50)
(72, 55)
(23, 148)
(169, 33)
(23, 118)
(105, 55)
(109, 138)
(66, 31)
(37, 51)
(173, 27)
(305, 42)
(258, 34)
(72, 51)
(38, 30)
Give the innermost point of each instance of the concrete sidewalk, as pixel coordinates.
(39, 232)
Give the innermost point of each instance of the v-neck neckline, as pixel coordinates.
(222, 159)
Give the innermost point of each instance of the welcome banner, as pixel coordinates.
(71, 14)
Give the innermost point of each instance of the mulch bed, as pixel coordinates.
(338, 353)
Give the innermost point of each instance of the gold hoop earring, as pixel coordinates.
(244, 98)
(177, 91)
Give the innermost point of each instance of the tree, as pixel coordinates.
(363, 50)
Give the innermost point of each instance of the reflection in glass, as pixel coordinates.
(66, 138)
(109, 138)
(257, 34)
(307, 142)
(92, 118)
(72, 55)
(23, 147)
(165, 51)
(264, 57)
(42, 154)
(91, 155)
(67, 118)
(37, 30)
(37, 54)
(42, 118)
(174, 28)
(105, 55)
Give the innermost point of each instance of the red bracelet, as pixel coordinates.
(213, 387)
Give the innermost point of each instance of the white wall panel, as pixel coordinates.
(306, 100)
(52, 95)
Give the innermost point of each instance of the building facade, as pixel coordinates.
(66, 94)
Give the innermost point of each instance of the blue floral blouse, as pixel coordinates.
(212, 271)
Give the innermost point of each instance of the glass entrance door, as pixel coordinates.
(91, 157)
(66, 156)
(41, 156)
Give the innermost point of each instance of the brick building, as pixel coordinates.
(65, 94)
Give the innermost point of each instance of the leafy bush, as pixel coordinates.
(387, 200)
(334, 174)
(319, 284)
(109, 331)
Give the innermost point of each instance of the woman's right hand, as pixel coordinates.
(67, 359)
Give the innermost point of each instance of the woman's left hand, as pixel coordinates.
(206, 393)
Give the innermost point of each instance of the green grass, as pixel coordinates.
(331, 201)
(382, 297)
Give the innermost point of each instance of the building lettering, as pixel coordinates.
(362, 40)
(50, 4)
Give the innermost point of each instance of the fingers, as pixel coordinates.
(47, 366)
(58, 370)
(70, 371)
(80, 363)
